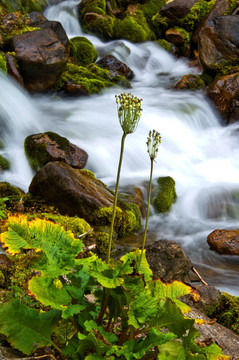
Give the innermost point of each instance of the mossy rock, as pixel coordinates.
(92, 77)
(160, 25)
(98, 24)
(11, 192)
(35, 204)
(3, 63)
(82, 50)
(166, 194)
(227, 312)
(151, 8)
(4, 163)
(89, 6)
(171, 48)
(101, 236)
(24, 6)
(190, 82)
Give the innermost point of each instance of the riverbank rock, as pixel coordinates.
(209, 298)
(165, 194)
(115, 67)
(41, 58)
(224, 242)
(168, 261)
(224, 93)
(49, 146)
(72, 191)
(190, 82)
(177, 9)
(219, 42)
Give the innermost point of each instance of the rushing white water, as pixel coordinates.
(197, 151)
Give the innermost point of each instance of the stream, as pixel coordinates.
(199, 152)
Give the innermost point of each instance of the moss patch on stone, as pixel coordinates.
(3, 63)
(160, 24)
(96, 6)
(11, 192)
(83, 51)
(165, 194)
(4, 163)
(101, 25)
(24, 6)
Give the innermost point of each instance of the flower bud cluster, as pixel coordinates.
(153, 142)
(129, 111)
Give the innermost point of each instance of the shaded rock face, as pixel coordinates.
(189, 82)
(219, 41)
(224, 92)
(12, 68)
(41, 57)
(72, 191)
(209, 296)
(177, 9)
(115, 66)
(168, 261)
(46, 147)
(224, 242)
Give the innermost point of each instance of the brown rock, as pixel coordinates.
(41, 57)
(167, 260)
(174, 36)
(12, 68)
(5, 262)
(224, 92)
(46, 147)
(72, 191)
(219, 41)
(189, 82)
(115, 66)
(177, 9)
(74, 89)
(224, 242)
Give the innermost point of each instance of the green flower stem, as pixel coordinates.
(115, 197)
(147, 215)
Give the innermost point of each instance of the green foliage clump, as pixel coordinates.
(227, 312)
(232, 5)
(165, 45)
(166, 194)
(3, 63)
(100, 25)
(2, 279)
(92, 77)
(160, 24)
(102, 241)
(11, 192)
(82, 50)
(151, 7)
(96, 6)
(4, 163)
(130, 206)
(24, 6)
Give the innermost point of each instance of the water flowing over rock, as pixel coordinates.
(225, 242)
(41, 57)
(72, 191)
(224, 92)
(167, 260)
(46, 147)
(219, 41)
(115, 66)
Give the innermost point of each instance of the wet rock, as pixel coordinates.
(219, 42)
(35, 18)
(41, 57)
(115, 66)
(75, 89)
(224, 242)
(224, 92)
(174, 36)
(177, 9)
(209, 297)
(12, 68)
(45, 147)
(72, 191)
(168, 261)
(190, 82)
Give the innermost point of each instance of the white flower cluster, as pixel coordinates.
(129, 111)
(153, 142)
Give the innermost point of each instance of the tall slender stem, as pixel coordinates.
(147, 214)
(115, 197)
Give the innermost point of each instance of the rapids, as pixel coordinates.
(197, 150)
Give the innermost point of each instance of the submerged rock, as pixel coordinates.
(225, 242)
(45, 147)
(72, 191)
(115, 66)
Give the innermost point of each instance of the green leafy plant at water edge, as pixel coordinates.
(111, 311)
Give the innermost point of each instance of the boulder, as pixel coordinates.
(82, 50)
(224, 242)
(177, 9)
(45, 147)
(224, 92)
(12, 69)
(115, 67)
(168, 261)
(165, 194)
(175, 36)
(72, 191)
(219, 42)
(190, 82)
(41, 57)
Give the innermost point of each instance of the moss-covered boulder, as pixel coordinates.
(165, 194)
(24, 6)
(82, 50)
(3, 63)
(11, 192)
(98, 24)
(4, 163)
(49, 146)
(190, 82)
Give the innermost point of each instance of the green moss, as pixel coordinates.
(227, 312)
(11, 192)
(24, 6)
(4, 163)
(166, 194)
(165, 45)
(101, 25)
(192, 82)
(226, 67)
(102, 240)
(134, 208)
(2, 279)
(96, 6)
(82, 50)
(88, 173)
(62, 142)
(3, 63)
(93, 78)
(232, 5)
(160, 24)
(35, 204)
(151, 7)
(121, 81)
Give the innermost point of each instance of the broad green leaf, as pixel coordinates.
(25, 327)
(117, 300)
(72, 310)
(171, 350)
(142, 310)
(12, 242)
(91, 343)
(132, 259)
(95, 357)
(92, 325)
(45, 291)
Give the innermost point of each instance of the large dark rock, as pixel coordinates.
(167, 260)
(224, 92)
(177, 9)
(41, 57)
(45, 147)
(115, 66)
(72, 191)
(209, 297)
(12, 68)
(224, 242)
(219, 42)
